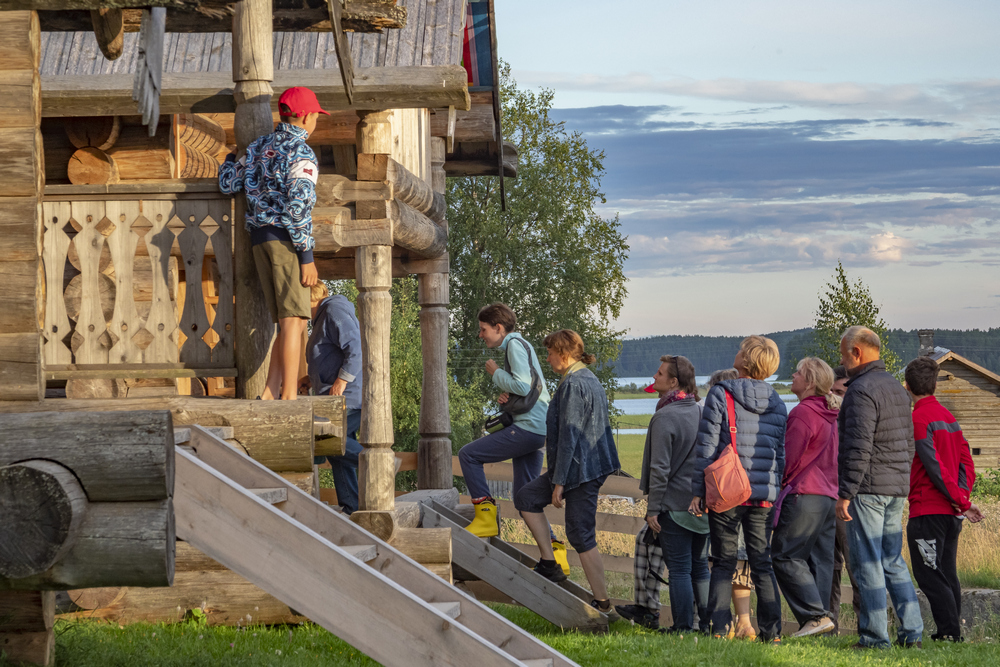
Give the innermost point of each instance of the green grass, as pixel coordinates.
(634, 421)
(630, 452)
(632, 394)
(99, 644)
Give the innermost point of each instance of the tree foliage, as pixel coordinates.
(550, 256)
(842, 305)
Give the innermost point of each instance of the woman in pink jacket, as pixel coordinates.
(804, 514)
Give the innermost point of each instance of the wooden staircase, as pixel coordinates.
(339, 575)
(511, 572)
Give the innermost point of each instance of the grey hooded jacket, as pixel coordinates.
(668, 460)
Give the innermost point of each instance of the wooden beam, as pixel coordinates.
(479, 159)
(342, 48)
(207, 6)
(343, 268)
(406, 186)
(375, 88)
(109, 29)
(289, 16)
(26, 627)
(414, 231)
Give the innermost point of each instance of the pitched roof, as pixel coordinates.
(943, 354)
(432, 36)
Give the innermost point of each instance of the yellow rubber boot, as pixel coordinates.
(559, 549)
(487, 521)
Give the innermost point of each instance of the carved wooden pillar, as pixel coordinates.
(434, 449)
(253, 71)
(376, 464)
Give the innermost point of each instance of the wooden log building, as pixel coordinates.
(131, 291)
(972, 394)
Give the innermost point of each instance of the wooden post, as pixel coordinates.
(253, 72)
(26, 620)
(434, 448)
(23, 176)
(376, 464)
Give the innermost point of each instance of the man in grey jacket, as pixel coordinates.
(876, 448)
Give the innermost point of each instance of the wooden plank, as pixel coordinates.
(212, 92)
(161, 323)
(612, 523)
(125, 322)
(231, 525)
(526, 560)
(111, 371)
(224, 321)
(275, 495)
(339, 530)
(91, 327)
(342, 48)
(508, 575)
(194, 320)
(20, 280)
(611, 563)
(20, 367)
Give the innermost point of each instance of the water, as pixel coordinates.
(699, 379)
(646, 406)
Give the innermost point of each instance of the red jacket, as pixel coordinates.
(942, 474)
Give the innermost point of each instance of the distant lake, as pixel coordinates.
(646, 406)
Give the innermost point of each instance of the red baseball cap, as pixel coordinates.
(300, 101)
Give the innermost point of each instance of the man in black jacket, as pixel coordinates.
(876, 448)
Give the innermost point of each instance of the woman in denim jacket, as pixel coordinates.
(580, 452)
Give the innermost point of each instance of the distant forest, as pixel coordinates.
(640, 356)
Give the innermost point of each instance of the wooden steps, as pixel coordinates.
(305, 554)
(510, 571)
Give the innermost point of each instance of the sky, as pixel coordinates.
(749, 146)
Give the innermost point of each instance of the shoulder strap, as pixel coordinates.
(731, 410)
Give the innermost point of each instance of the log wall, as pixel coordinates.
(975, 401)
(22, 173)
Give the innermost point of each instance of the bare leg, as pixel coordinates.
(291, 348)
(741, 600)
(539, 527)
(593, 567)
(273, 386)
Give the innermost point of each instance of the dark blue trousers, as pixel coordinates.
(345, 467)
(802, 552)
(686, 556)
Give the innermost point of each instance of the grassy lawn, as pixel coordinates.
(97, 644)
(630, 448)
(634, 421)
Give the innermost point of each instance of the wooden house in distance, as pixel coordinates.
(972, 394)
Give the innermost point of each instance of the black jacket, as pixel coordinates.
(876, 435)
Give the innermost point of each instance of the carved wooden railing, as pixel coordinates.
(138, 274)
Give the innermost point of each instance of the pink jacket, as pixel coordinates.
(811, 433)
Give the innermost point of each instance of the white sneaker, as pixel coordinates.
(815, 627)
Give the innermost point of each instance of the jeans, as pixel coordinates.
(756, 522)
(875, 539)
(345, 467)
(686, 554)
(802, 551)
(933, 541)
(523, 448)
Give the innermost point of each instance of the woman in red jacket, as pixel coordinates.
(805, 512)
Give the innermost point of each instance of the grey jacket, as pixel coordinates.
(876, 435)
(669, 457)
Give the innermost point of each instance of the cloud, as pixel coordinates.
(952, 99)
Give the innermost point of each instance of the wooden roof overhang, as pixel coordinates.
(942, 355)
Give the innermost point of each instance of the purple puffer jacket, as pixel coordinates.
(811, 433)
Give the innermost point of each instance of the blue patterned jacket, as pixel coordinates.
(278, 174)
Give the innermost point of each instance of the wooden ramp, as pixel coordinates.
(510, 571)
(336, 573)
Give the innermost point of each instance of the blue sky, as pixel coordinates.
(750, 145)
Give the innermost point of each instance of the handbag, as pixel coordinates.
(726, 481)
(516, 404)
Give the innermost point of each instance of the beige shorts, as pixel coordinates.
(281, 280)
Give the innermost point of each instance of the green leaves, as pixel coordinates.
(844, 304)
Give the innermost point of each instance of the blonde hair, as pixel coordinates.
(760, 357)
(569, 344)
(318, 292)
(818, 373)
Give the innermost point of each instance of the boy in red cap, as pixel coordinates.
(278, 174)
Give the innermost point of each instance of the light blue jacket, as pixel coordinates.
(518, 381)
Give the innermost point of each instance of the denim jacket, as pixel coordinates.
(579, 445)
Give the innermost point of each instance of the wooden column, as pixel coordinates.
(434, 448)
(22, 172)
(376, 465)
(253, 72)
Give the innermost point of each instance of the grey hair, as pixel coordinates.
(859, 335)
(724, 374)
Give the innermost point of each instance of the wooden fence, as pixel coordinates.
(138, 274)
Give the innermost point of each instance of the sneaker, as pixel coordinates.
(608, 611)
(551, 572)
(816, 626)
(639, 615)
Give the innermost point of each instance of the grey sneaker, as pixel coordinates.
(817, 626)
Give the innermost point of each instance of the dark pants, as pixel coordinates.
(580, 503)
(345, 467)
(522, 448)
(756, 522)
(686, 555)
(802, 551)
(933, 542)
(840, 559)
